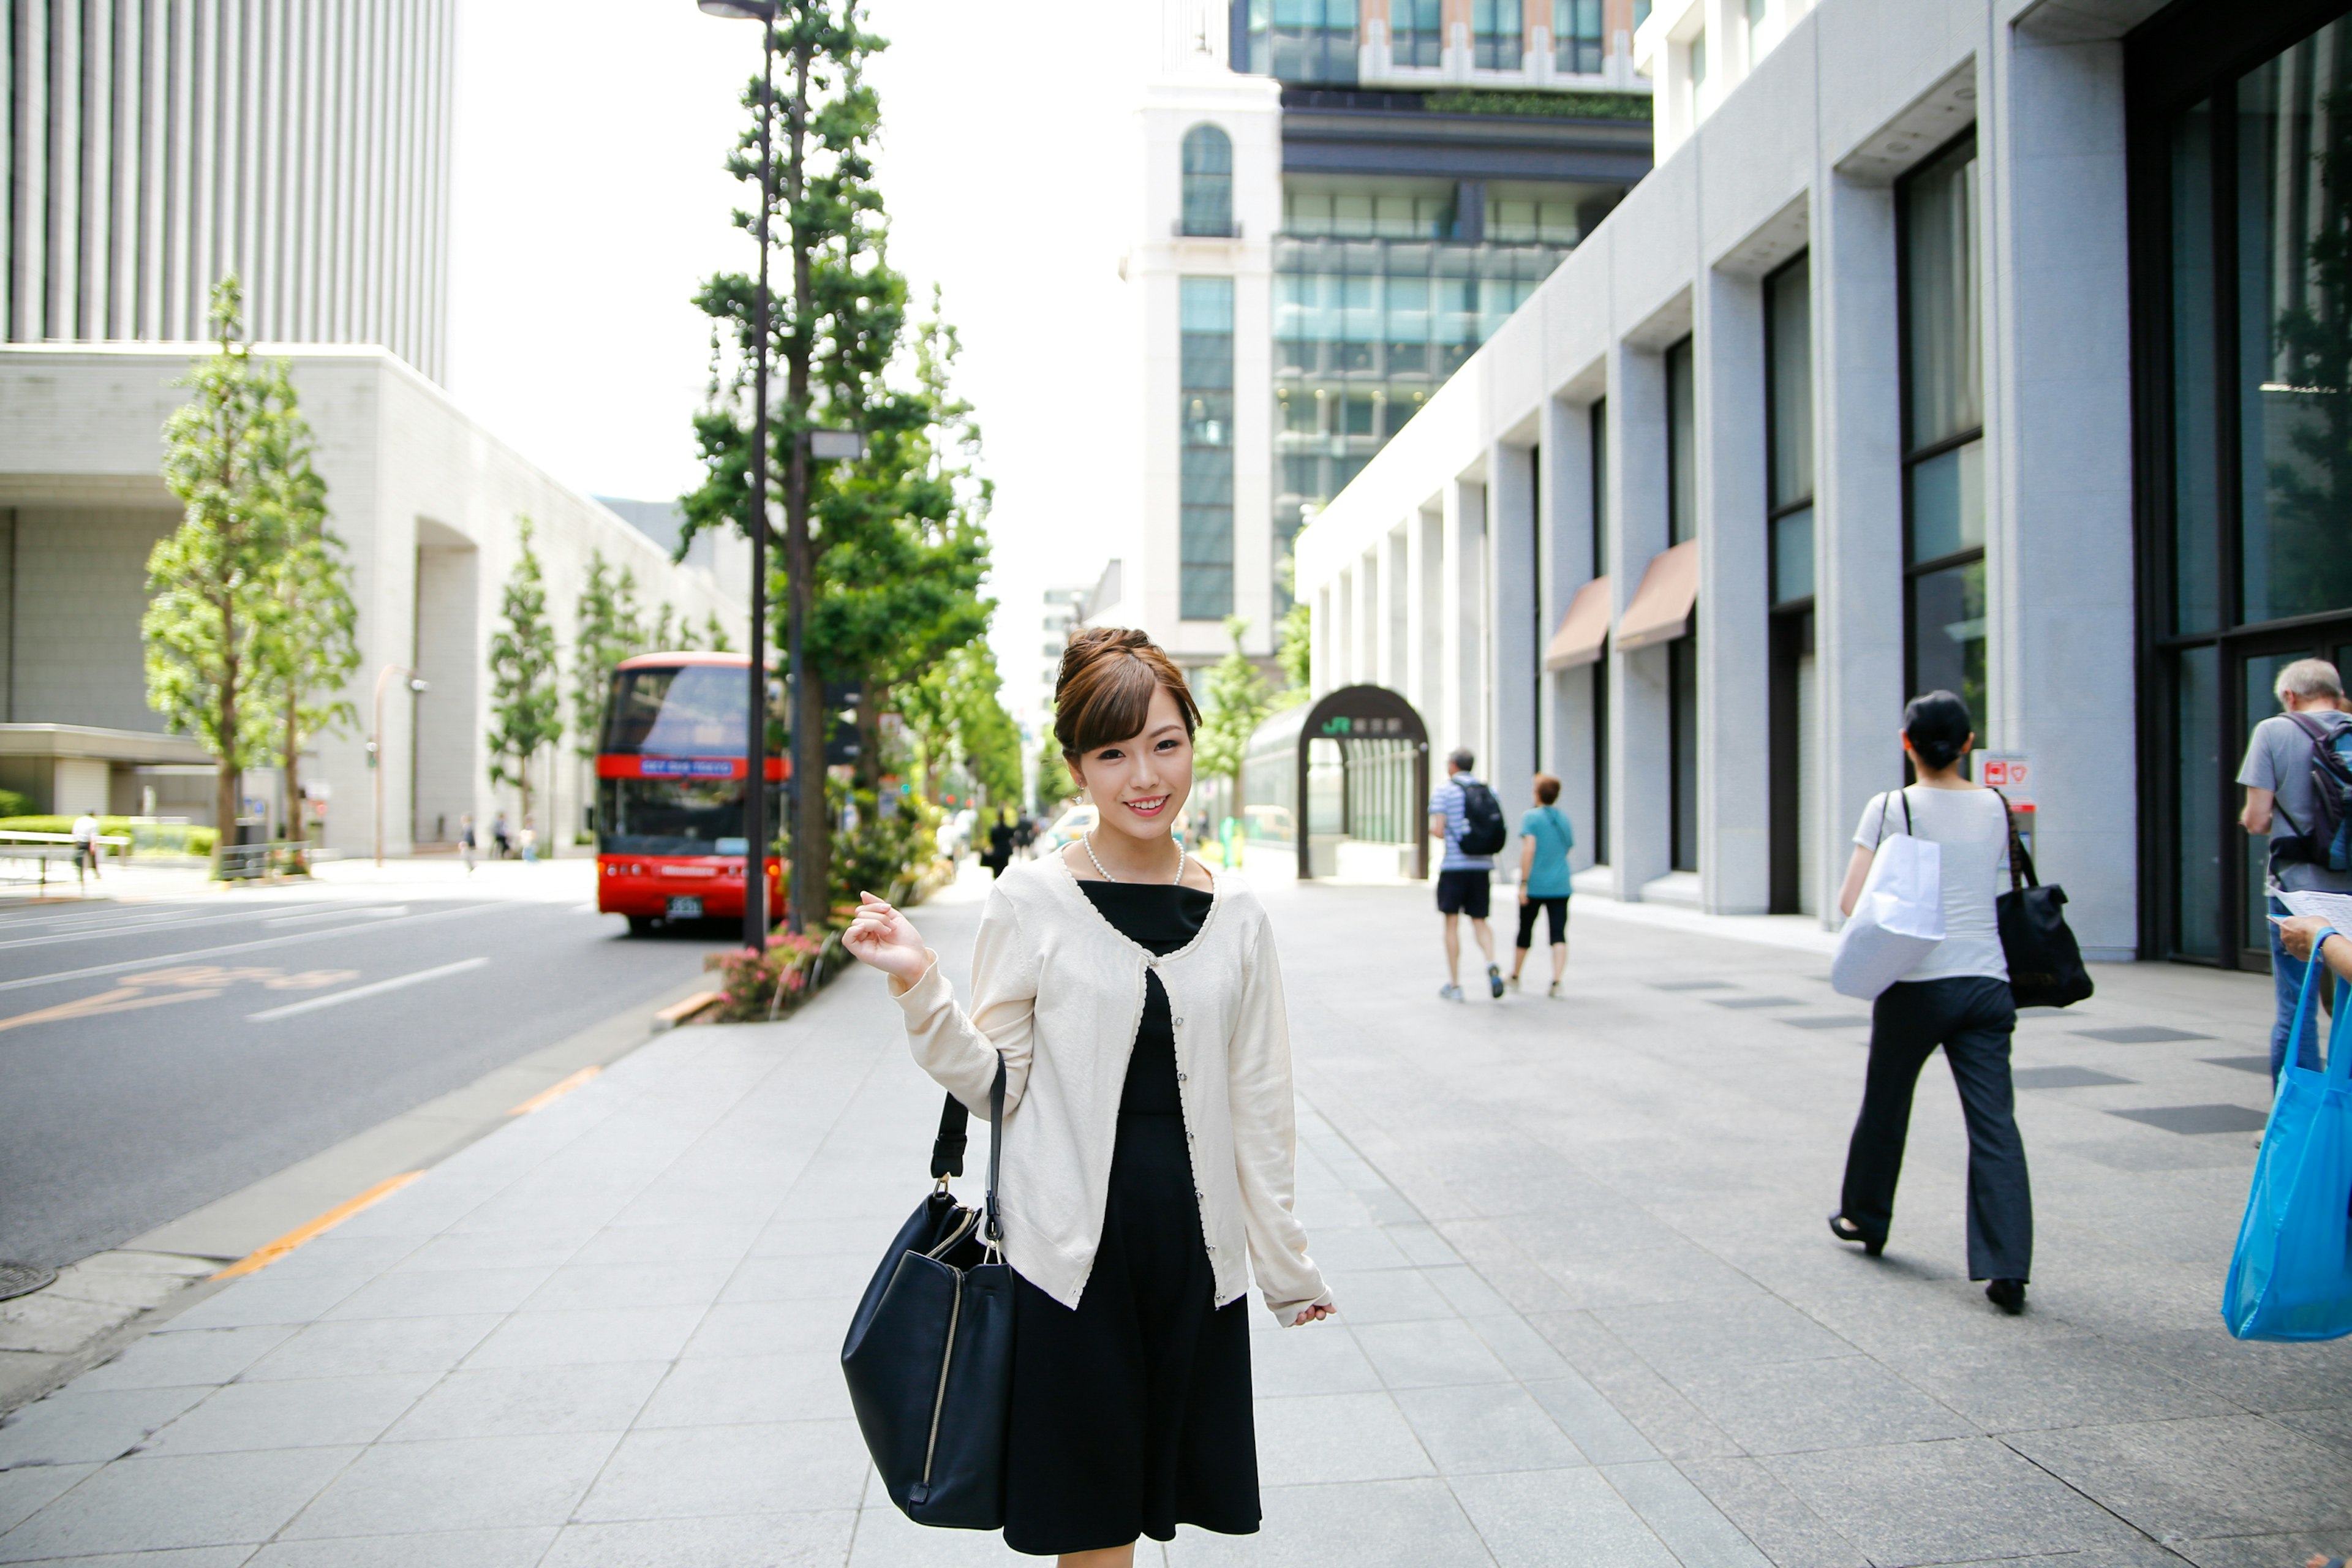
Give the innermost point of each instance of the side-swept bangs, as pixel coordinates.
(1104, 693)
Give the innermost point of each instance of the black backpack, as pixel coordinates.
(1482, 820)
(2327, 839)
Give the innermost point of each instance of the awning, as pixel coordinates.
(1583, 630)
(1660, 610)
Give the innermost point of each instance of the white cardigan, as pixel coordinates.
(1058, 992)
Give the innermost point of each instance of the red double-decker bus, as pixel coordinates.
(670, 789)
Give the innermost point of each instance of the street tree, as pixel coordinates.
(605, 631)
(1234, 700)
(525, 700)
(310, 642)
(211, 582)
(1293, 652)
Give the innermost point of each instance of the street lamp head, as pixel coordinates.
(740, 10)
(837, 445)
(419, 685)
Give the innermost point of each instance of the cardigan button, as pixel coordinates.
(1179, 1078)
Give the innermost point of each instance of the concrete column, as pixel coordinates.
(1395, 593)
(1564, 494)
(1343, 630)
(1369, 587)
(1734, 826)
(28, 163)
(97, 153)
(1461, 628)
(1424, 554)
(1641, 757)
(2058, 547)
(66, 155)
(1858, 510)
(1513, 602)
(1323, 646)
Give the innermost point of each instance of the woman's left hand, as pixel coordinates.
(2295, 933)
(1316, 1314)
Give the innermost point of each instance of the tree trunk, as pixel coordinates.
(294, 822)
(869, 735)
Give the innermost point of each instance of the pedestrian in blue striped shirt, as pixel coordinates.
(1465, 815)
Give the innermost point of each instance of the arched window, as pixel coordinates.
(1208, 181)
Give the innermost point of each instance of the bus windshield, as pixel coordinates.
(692, 711)
(677, 816)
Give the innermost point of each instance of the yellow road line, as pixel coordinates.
(554, 1091)
(270, 1252)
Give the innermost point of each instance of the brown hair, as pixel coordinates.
(1104, 689)
(1546, 789)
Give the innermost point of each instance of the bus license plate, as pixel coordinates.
(686, 908)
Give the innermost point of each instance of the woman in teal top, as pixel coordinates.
(1545, 840)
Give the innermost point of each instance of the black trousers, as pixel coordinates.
(1972, 1017)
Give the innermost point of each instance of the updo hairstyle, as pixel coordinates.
(1104, 691)
(1938, 726)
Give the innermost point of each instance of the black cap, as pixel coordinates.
(1937, 725)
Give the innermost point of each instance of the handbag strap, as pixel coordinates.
(995, 1147)
(2021, 861)
(2340, 1059)
(947, 1149)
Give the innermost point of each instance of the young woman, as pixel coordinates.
(1544, 843)
(1133, 998)
(1958, 998)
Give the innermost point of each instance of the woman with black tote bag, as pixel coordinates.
(1131, 1000)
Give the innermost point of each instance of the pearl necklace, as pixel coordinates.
(1089, 842)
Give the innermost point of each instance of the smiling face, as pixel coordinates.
(1139, 785)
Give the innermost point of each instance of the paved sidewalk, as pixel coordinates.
(1592, 1315)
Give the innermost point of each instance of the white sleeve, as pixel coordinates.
(1259, 1096)
(1865, 833)
(961, 1049)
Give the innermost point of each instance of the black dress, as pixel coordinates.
(1132, 1414)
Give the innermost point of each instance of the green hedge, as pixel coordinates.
(147, 837)
(1550, 105)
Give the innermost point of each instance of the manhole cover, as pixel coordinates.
(23, 1278)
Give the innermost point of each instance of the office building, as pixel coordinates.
(1992, 345)
(1339, 202)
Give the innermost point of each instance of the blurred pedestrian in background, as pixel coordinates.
(1465, 815)
(499, 834)
(2282, 800)
(466, 845)
(1956, 997)
(1545, 840)
(85, 842)
(528, 839)
(1000, 843)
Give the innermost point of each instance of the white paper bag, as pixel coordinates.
(1897, 922)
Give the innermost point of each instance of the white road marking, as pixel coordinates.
(164, 960)
(91, 933)
(373, 911)
(357, 992)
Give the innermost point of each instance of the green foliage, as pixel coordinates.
(955, 715)
(882, 853)
(524, 698)
(761, 987)
(310, 642)
(172, 838)
(1234, 700)
(1548, 105)
(213, 581)
(714, 635)
(605, 631)
(12, 805)
(1055, 785)
(1293, 654)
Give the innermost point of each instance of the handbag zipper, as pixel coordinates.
(946, 1360)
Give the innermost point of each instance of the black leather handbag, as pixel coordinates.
(929, 1352)
(2046, 966)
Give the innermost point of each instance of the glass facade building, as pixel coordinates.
(1206, 542)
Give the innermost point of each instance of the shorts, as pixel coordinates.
(1556, 907)
(1462, 893)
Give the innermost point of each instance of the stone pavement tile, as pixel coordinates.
(1524, 1352)
(149, 1503)
(1678, 1272)
(309, 1413)
(1600, 1431)
(453, 1249)
(780, 1468)
(2216, 1475)
(508, 1402)
(513, 1548)
(182, 1557)
(440, 1293)
(28, 1489)
(1324, 1361)
(1770, 1515)
(1694, 1529)
(1486, 1428)
(1367, 1524)
(602, 1334)
(1467, 1293)
(800, 1232)
(1356, 1249)
(1386, 1295)
(459, 1483)
(2077, 1380)
(2333, 1427)
(821, 1275)
(1422, 1245)
(1630, 1385)
(1560, 1519)
(768, 1328)
(1429, 1354)
(74, 1428)
(742, 1541)
(358, 1346)
(667, 1244)
(2258, 1374)
(1848, 1402)
(179, 1359)
(888, 1538)
(2261, 1551)
(582, 1287)
(343, 1252)
(725, 1390)
(269, 1298)
(1313, 1438)
(1680, 1336)
(1953, 1501)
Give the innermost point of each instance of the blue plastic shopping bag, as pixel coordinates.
(2291, 1277)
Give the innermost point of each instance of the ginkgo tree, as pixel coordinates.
(526, 701)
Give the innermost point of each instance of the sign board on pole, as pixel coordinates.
(2011, 773)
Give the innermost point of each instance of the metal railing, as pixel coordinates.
(42, 850)
(251, 862)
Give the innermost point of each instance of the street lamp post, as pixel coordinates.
(755, 524)
(418, 684)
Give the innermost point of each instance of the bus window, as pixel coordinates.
(676, 816)
(696, 710)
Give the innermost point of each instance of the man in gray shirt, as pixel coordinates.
(2280, 802)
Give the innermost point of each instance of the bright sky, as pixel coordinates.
(589, 201)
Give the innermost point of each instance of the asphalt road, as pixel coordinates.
(156, 1057)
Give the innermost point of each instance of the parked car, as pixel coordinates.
(1070, 827)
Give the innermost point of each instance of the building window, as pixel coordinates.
(1681, 741)
(2244, 292)
(1303, 40)
(1600, 438)
(1682, 446)
(1943, 429)
(1206, 534)
(1208, 181)
(1576, 36)
(1791, 680)
(1417, 32)
(1698, 65)
(1495, 34)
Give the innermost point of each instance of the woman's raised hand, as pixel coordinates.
(879, 935)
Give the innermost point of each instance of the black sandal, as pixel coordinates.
(1845, 1229)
